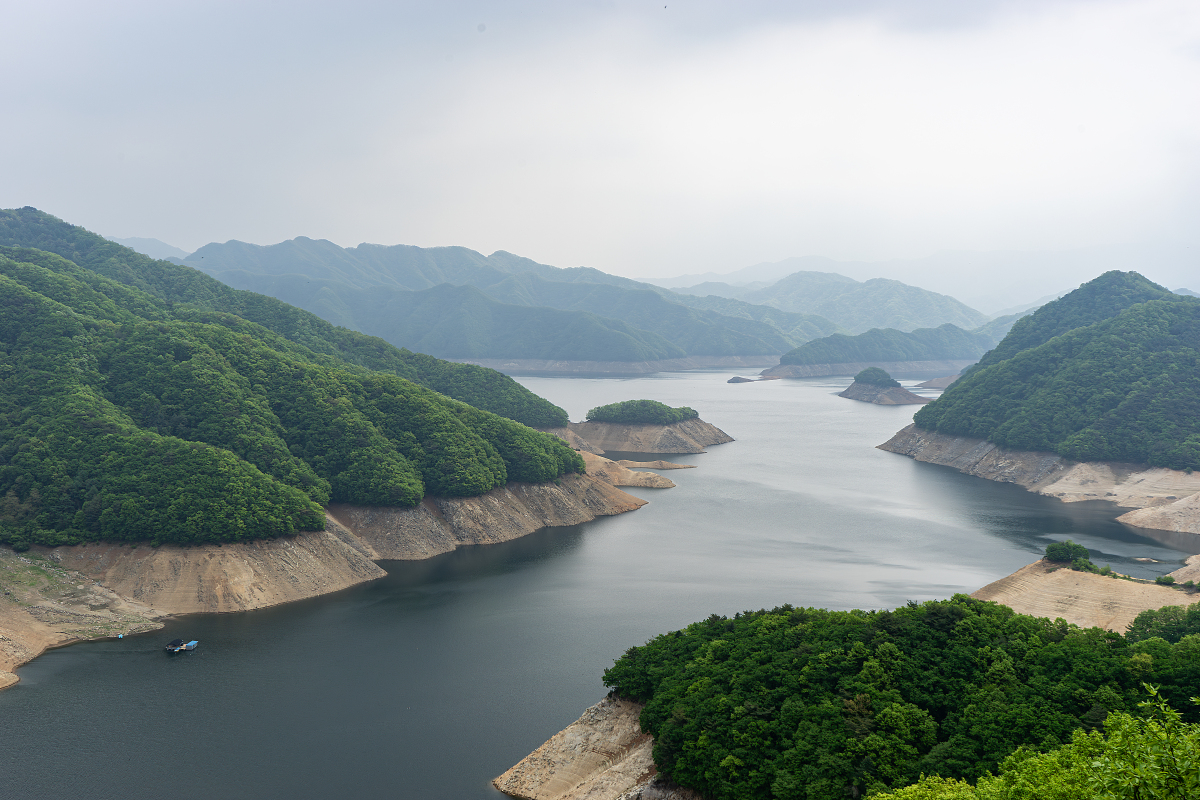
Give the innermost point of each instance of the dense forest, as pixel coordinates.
(641, 412)
(1126, 388)
(127, 415)
(945, 343)
(173, 284)
(823, 705)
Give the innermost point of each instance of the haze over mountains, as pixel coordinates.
(454, 302)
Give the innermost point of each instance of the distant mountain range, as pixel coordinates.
(855, 306)
(517, 308)
(150, 247)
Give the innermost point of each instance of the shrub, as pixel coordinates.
(1165, 580)
(1066, 551)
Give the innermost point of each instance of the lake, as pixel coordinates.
(431, 681)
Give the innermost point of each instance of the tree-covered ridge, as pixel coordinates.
(641, 412)
(876, 377)
(125, 417)
(1124, 389)
(1099, 299)
(816, 704)
(946, 343)
(165, 286)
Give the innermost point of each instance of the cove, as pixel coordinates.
(433, 680)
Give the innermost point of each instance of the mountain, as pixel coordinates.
(944, 343)
(462, 322)
(360, 287)
(1096, 300)
(855, 306)
(480, 387)
(150, 247)
(1187, 292)
(134, 415)
(1109, 372)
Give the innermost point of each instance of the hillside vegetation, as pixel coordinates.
(641, 412)
(945, 343)
(822, 705)
(127, 416)
(876, 377)
(173, 284)
(1126, 388)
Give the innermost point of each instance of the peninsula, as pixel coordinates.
(874, 385)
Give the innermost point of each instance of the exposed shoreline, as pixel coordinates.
(538, 366)
(931, 368)
(59, 596)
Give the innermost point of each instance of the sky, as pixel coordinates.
(646, 139)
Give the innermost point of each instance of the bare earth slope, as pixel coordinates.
(883, 395)
(1167, 496)
(689, 436)
(68, 594)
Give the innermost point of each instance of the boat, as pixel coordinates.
(176, 645)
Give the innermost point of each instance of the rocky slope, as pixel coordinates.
(601, 756)
(1166, 495)
(1045, 589)
(57, 596)
(689, 436)
(895, 367)
(883, 395)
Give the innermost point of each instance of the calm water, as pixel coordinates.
(431, 681)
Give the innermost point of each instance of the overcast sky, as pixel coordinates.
(642, 138)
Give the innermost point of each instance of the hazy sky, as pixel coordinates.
(645, 139)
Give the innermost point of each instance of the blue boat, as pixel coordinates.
(176, 645)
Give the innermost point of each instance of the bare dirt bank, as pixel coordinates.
(1168, 496)
(67, 594)
(901, 367)
(689, 436)
(603, 755)
(1044, 589)
(618, 474)
(883, 395)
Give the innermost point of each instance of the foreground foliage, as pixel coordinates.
(1153, 758)
(815, 704)
(641, 412)
(125, 416)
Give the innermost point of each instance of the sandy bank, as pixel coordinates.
(68, 594)
(894, 367)
(882, 395)
(1044, 589)
(1170, 493)
(689, 436)
(603, 755)
(655, 465)
(536, 366)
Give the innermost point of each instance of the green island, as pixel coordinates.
(144, 401)
(876, 377)
(817, 704)
(641, 412)
(1123, 384)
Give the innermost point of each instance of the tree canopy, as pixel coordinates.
(125, 416)
(876, 377)
(641, 412)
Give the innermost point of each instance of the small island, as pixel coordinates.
(645, 426)
(874, 385)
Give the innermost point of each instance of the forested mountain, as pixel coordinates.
(855, 306)
(638, 320)
(150, 247)
(1096, 300)
(945, 343)
(480, 387)
(126, 415)
(810, 704)
(1123, 388)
